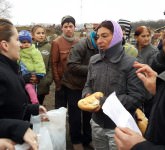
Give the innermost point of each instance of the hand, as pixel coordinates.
(42, 110)
(6, 144)
(126, 138)
(147, 76)
(31, 138)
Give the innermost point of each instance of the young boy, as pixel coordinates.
(31, 62)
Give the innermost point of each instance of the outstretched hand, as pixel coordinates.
(147, 76)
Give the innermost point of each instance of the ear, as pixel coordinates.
(4, 45)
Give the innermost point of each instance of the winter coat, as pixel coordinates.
(13, 129)
(155, 131)
(33, 60)
(77, 65)
(111, 71)
(44, 85)
(146, 54)
(60, 51)
(14, 101)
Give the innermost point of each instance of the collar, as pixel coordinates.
(113, 54)
(69, 39)
(13, 64)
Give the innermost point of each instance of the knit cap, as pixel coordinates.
(127, 26)
(25, 35)
(67, 19)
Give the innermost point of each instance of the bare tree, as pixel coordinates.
(5, 7)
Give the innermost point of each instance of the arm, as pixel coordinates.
(55, 59)
(158, 63)
(135, 93)
(13, 129)
(18, 131)
(48, 77)
(87, 90)
(77, 57)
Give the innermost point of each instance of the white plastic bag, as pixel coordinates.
(56, 127)
(23, 146)
(44, 139)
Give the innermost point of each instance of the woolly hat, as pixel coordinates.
(25, 35)
(67, 19)
(127, 26)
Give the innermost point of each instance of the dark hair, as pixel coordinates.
(106, 24)
(140, 29)
(6, 29)
(67, 19)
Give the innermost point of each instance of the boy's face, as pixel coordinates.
(68, 29)
(25, 44)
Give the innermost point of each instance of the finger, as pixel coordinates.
(9, 146)
(34, 145)
(128, 131)
(141, 77)
(138, 65)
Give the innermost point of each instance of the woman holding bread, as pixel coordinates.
(111, 70)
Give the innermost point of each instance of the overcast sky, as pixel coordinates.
(26, 12)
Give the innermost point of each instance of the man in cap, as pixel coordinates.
(60, 50)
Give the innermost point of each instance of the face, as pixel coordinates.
(143, 39)
(25, 44)
(39, 35)
(68, 29)
(13, 46)
(104, 38)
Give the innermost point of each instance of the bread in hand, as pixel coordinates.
(91, 102)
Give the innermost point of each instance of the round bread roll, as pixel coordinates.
(91, 102)
(142, 121)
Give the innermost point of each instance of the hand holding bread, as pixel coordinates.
(91, 103)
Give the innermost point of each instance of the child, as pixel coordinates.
(40, 40)
(31, 62)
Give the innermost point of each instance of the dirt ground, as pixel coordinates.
(49, 104)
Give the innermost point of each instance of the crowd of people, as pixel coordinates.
(104, 60)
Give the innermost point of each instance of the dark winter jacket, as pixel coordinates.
(13, 97)
(13, 129)
(44, 85)
(146, 54)
(77, 65)
(111, 71)
(155, 131)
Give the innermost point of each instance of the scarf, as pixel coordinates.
(69, 39)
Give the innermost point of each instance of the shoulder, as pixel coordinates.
(95, 58)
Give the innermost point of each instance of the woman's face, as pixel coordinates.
(144, 38)
(13, 46)
(104, 38)
(39, 35)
